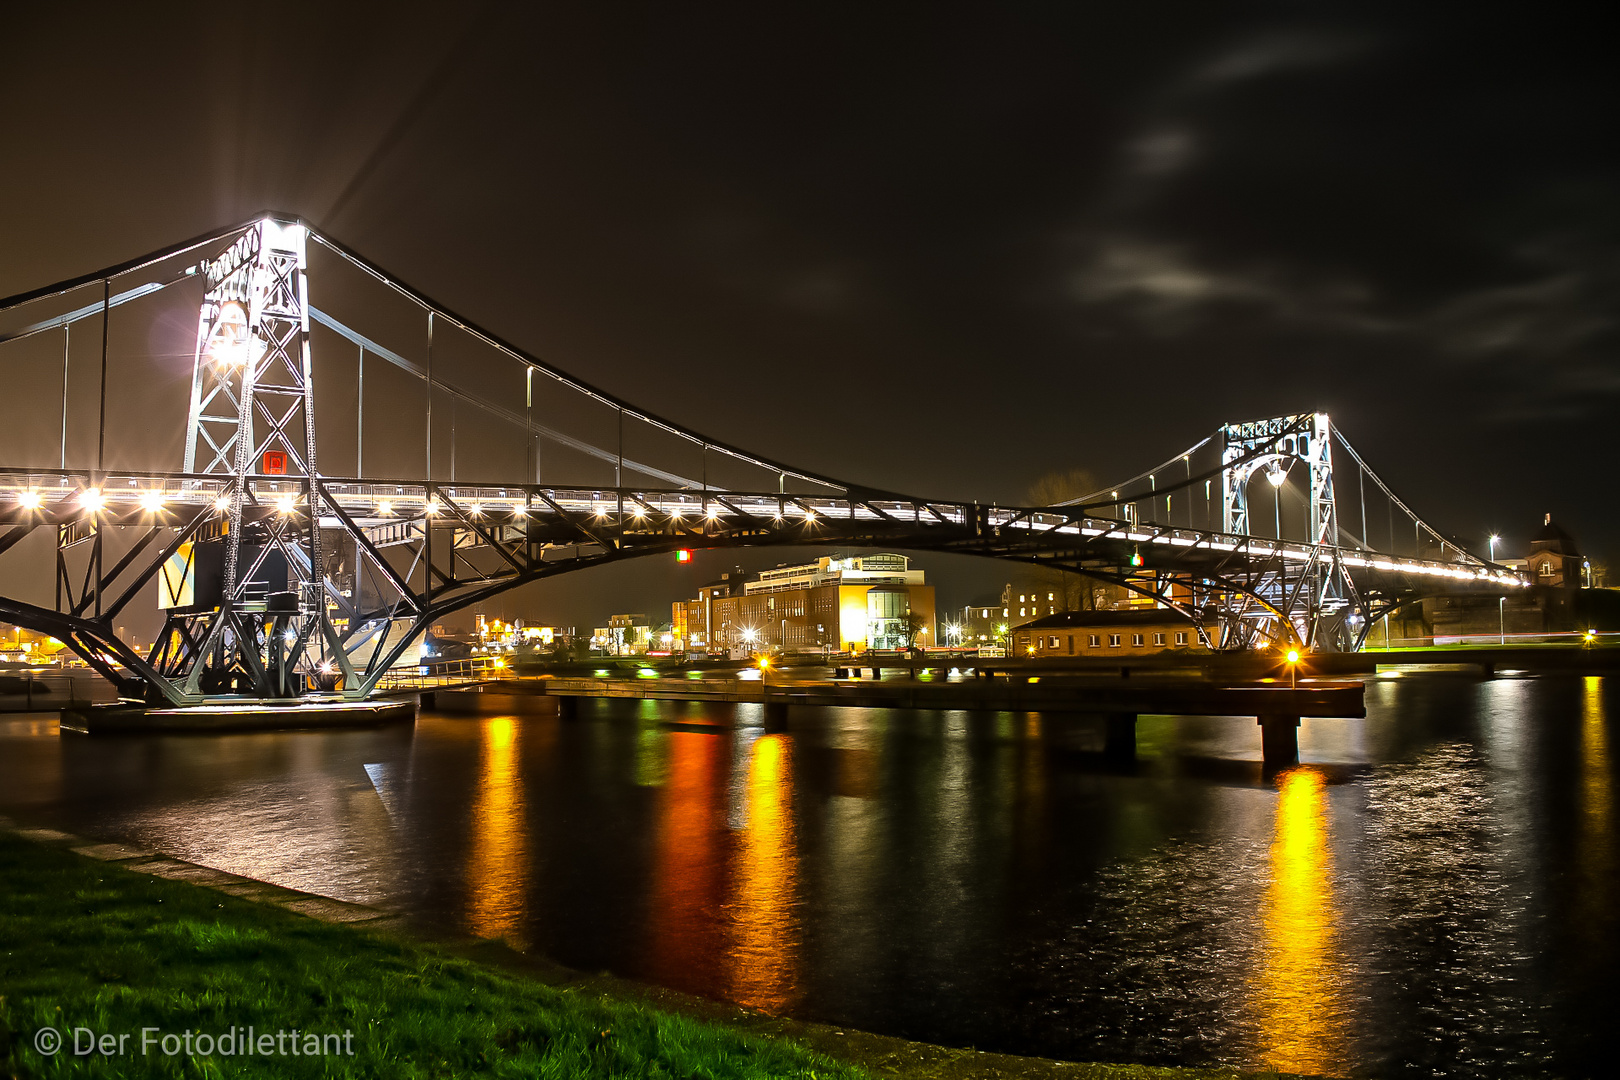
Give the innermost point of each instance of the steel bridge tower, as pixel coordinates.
(252, 418)
(1273, 447)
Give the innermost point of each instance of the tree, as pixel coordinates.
(915, 625)
(1070, 591)
(1062, 485)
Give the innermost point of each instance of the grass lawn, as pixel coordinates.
(84, 944)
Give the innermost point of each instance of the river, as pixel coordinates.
(1433, 891)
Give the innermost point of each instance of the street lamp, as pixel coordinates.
(1501, 601)
(1293, 669)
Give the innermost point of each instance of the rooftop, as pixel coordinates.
(1139, 617)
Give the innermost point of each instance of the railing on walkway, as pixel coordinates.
(444, 673)
(23, 690)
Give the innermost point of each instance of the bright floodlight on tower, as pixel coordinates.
(228, 340)
(1276, 476)
(91, 499)
(29, 500)
(284, 504)
(152, 501)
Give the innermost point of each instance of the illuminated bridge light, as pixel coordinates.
(91, 499)
(29, 500)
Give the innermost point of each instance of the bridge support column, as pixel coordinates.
(1119, 739)
(1279, 741)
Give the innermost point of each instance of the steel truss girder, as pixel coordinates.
(432, 564)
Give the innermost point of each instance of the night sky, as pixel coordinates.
(940, 249)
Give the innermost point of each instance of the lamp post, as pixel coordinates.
(1293, 669)
(1501, 601)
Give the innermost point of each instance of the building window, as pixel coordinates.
(1158, 639)
(1113, 641)
(1181, 637)
(1052, 642)
(1094, 641)
(1136, 640)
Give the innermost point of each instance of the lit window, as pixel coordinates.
(1049, 596)
(1113, 641)
(1093, 640)
(1136, 639)
(1052, 642)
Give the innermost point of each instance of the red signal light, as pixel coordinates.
(683, 555)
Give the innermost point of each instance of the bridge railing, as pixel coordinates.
(444, 673)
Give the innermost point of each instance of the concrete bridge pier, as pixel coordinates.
(1279, 740)
(1119, 735)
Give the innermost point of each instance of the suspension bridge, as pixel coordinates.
(181, 462)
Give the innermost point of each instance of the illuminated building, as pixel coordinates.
(1106, 633)
(988, 621)
(835, 603)
(1565, 601)
(624, 635)
(495, 636)
(690, 619)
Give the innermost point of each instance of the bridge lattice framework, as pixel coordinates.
(373, 560)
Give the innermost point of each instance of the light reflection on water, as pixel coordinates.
(764, 931)
(689, 872)
(1297, 991)
(1434, 891)
(497, 858)
(1597, 840)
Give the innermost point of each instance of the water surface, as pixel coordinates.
(1432, 892)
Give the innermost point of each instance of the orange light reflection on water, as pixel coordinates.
(1297, 992)
(497, 864)
(689, 867)
(764, 954)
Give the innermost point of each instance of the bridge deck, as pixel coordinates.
(1339, 699)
